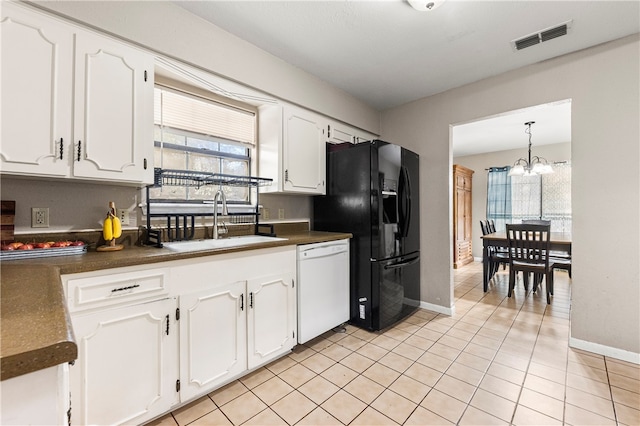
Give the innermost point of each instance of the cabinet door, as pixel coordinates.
(127, 363)
(461, 211)
(213, 346)
(271, 318)
(338, 133)
(304, 152)
(467, 215)
(113, 130)
(37, 59)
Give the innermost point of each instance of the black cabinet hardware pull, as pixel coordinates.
(242, 302)
(125, 288)
(61, 147)
(79, 149)
(251, 300)
(167, 324)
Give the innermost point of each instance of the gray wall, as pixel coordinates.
(478, 163)
(79, 206)
(604, 87)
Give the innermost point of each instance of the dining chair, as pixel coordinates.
(529, 253)
(491, 226)
(561, 259)
(483, 227)
(496, 257)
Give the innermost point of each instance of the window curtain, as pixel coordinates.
(556, 197)
(526, 193)
(499, 196)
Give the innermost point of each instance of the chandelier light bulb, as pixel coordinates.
(425, 5)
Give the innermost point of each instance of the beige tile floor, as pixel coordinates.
(498, 360)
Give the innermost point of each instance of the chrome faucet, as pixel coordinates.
(224, 212)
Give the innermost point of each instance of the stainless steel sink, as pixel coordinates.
(196, 245)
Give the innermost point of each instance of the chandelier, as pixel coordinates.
(533, 165)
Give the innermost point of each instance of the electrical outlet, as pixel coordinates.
(39, 217)
(265, 214)
(123, 215)
(280, 213)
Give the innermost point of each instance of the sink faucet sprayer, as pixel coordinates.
(224, 212)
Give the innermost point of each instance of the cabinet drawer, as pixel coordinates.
(99, 291)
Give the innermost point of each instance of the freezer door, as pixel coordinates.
(393, 294)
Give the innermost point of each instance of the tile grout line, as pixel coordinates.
(494, 356)
(475, 314)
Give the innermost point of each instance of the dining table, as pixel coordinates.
(559, 241)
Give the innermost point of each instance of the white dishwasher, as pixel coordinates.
(323, 287)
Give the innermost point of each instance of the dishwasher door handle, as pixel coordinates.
(320, 252)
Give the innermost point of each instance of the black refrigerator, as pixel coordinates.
(372, 192)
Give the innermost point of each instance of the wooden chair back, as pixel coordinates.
(483, 227)
(529, 246)
(536, 222)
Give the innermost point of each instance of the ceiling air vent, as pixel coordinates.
(554, 32)
(542, 36)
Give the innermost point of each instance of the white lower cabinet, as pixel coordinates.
(271, 317)
(152, 337)
(126, 367)
(237, 324)
(37, 398)
(213, 347)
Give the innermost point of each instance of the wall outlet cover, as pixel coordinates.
(39, 217)
(123, 215)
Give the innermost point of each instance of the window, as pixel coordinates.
(201, 134)
(536, 197)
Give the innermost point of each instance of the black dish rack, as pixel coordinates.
(181, 226)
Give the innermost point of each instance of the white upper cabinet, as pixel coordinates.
(292, 150)
(37, 84)
(340, 133)
(74, 103)
(113, 114)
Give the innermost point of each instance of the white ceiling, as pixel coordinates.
(386, 53)
(507, 131)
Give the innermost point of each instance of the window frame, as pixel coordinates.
(219, 155)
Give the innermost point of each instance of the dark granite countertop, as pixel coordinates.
(36, 329)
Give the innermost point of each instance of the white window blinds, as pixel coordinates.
(179, 110)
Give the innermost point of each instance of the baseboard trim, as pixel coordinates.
(477, 259)
(438, 308)
(599, 349)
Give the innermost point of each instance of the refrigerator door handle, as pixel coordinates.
(402, 264)
(404, 205)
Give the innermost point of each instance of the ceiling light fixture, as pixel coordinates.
(534, 165)
(425, 5)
